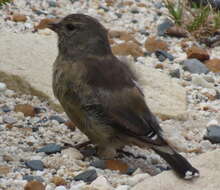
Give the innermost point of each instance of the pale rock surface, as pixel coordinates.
(209, 176)
(31, 56)
(100, 184)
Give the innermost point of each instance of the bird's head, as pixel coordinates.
(79, 34)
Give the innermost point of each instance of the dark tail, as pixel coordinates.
(179, 164)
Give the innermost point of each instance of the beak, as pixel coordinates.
(54, 26)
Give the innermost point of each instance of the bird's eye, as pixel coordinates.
(71, 27)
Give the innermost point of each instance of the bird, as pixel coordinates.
(102, 96)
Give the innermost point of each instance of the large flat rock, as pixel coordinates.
(26, 65)
(209, 179)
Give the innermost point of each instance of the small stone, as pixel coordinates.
(175, 73)
(35, 165)
(58, 181)
(52, 3)
(100, 184)
(163, 27)
(44, 23)
(4, 170)
(33, 178)
(127, 48)
(50, 149)
(197, 53)
(198, 80)
(34, 185)
(19, 18)
(26, 109)
(3, 87)
(152, 44)
(60, 188)
(159, 66)
(112, 165)
(164, 54)
(5, 109)
(194, 66)
(7, 158)
(57, 118)
(9, 119)
(87, 176)
(70, 125)
(177, 31)
(213, 65)
(122, 35)
(213, 134)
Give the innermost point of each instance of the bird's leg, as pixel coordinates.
(78, 146)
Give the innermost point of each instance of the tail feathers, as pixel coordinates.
(179, 164)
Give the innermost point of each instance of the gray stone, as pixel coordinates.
(213, 134)
(87, 176)
(175, 73)
(194, 66)
(50, 149)
(35, 165)
(32, 178)
(9, 119)
(5, 109)
(162, 28)
(57, 118)
(98, 164)
(164, 55)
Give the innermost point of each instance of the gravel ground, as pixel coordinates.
(23, 134)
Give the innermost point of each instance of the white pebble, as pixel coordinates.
(100, 184)
(212, 122)
(2, 87)
(60, 188)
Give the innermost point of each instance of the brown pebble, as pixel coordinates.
(128, 48)
(26, 109)
(34, 185)
(152, 44)
(4, 170)
(159, 66)
(213, 65)
(197, 53)
(58, 180)
(176, 31)
(19, 18)
(117, 165)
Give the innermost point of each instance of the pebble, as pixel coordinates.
(213, 134)
(122, 187)
(9, 119)
(194, 66)
(33, 178)
(34, 185)
(50, 149)
(162, 28)
(198, 80)
(57, 118)
(163, 55)
(35, 165)
(87, 176)
(3, 87)
(100, 184)
(175, 73)
(5, 108)
(60, 188)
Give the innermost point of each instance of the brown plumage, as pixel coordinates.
(100, 94)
